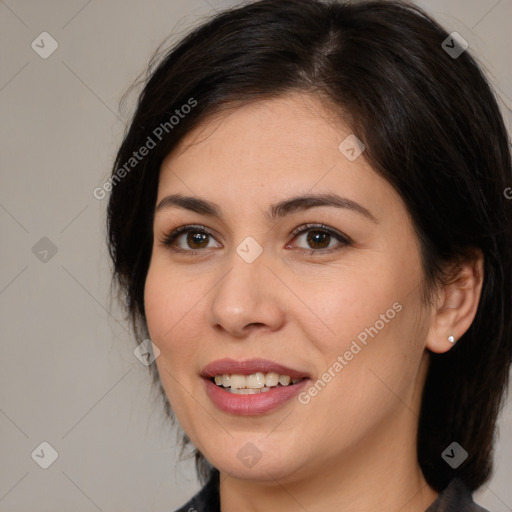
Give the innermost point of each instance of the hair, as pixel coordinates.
(432, 128)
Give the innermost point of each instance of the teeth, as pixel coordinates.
(284, 380)
(247, 391)
(238, 381)
(255, 380)
(271, 379)
(254, 383)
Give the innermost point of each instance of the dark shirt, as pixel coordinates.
(455, 498)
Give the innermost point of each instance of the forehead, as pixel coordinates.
(275, 148)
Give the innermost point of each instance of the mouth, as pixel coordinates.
(253, 386)
(254, 383)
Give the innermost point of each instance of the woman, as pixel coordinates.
(308, 218)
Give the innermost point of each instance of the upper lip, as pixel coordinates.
(248, 367)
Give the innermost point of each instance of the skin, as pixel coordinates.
(352, 446)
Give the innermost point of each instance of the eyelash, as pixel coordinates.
(169, 239)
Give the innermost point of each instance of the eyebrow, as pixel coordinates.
(275, 211)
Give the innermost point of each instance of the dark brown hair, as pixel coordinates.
(432, 128)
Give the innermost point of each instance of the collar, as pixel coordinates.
(456, 497)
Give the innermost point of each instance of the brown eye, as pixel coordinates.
(319, 238)
(196, 239)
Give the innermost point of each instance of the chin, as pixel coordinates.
(247, 459)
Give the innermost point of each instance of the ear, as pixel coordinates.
(457, 303)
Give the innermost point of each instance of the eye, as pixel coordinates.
(319, 238)
(197, 238)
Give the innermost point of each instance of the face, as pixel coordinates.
(326, 294)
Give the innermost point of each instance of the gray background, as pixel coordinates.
(68, 375)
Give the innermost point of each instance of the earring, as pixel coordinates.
(451, 339)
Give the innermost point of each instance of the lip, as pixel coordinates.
(250, 405)
(249, 366)
(257, 404)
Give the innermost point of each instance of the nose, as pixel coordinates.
(247, 298)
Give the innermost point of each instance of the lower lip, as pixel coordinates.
(247, 405)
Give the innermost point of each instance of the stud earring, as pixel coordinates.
(451, 339)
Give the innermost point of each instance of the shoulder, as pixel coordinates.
(456, 497)
(206, 500)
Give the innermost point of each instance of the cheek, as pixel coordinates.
(172, 304)
(157, 301)
(347, 305)
(376, 324)
(172, 307)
